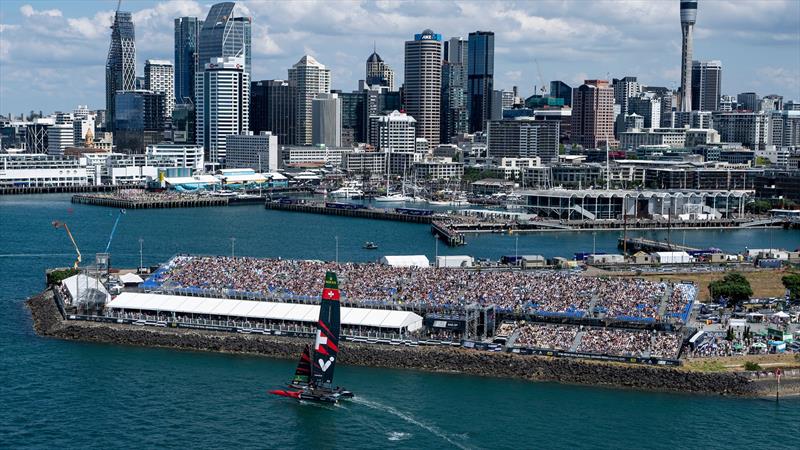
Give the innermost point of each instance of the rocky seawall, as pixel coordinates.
(47, 321)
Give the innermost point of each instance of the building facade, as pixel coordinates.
(187, 37)
(273, 108)
(121, 62)
(592, 114)
(394, 132)
(139, 120)
(224, 36)
(706, 85)
(524, 139)
(309, 78)
(326, 115)
(480, 79)
(254, 151)
(378, 73)
(423, 78)
(159, 76)
(223, 105)
(455, 119)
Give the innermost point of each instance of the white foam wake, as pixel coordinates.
(393, 411)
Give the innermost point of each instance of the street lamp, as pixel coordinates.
(233, 247)
(594, 242)
(516, 250)
(337, 248)
(141, 254)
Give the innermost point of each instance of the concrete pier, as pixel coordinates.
(363, 213)
(189, 202)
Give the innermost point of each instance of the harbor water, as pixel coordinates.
(76, 395)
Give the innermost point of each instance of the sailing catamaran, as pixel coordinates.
(314, 375)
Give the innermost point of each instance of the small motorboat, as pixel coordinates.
(370, 245)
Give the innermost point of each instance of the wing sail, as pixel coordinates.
(326, 345)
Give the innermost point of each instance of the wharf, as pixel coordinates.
(16, 190)
(360, 212)
(189, 202)
(443, 231)
(648, 245)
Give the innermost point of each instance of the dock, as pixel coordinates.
(188, 202)
(18, 190)
(446, 233)
(648, 245)
(357, 211)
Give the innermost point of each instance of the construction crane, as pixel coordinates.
(114, 229)
(63, 225)
(543, 89)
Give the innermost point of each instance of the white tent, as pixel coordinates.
(781, 315)
(406, 261)
(85, 290)
(673, 257)
(130, 278)
(249, 309)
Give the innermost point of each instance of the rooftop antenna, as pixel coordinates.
(119, 3)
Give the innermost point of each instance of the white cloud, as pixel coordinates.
(28, 11)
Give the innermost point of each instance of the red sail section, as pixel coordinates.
(303, 371)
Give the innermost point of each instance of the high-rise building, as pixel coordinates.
(83, 122)
(423, 83)
(273, 106)
(326, 114)
(771, 103)
(309, 78)
(559, 89)
(394, 132)
(524, 138)
(187, 37)
(222, 90)
(480, 78)
(378, 72)
(624, 88)
(751, 129)
(648, 106)
(455, 119)
(139, 120)
(159, 76)
(61, 135)
(706, 85)
(688, 19)
(747, 101)
(121, 62)
(254, 151)
(356, 108)
(223, 35)
(184, 123)
(592, 114)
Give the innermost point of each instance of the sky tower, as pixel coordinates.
(688, 18)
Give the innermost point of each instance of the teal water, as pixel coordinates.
(56, 394)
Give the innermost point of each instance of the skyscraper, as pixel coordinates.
(187, 37)
(378, 72)
(309, 78)
(455, 120)
(139, 120)
(624, 89)
(223, 104)
(423, 83)
(559, 89)
(747, 101)
(706, 85)
(223, 36)
(592, 114)
(121, 62)
(326, 112)
(159, 76)
(480, 79)
(273, 105)
(688, 18)
(394, 132)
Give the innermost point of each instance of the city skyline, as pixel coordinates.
(568, 40)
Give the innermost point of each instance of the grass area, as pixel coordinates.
(736, 363)
(765, 283)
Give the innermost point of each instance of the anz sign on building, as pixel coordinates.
(428, 35)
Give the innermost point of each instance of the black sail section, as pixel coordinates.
(303, 371)
(326, 344)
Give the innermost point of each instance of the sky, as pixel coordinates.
(53, 53)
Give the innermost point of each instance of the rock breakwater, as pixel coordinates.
(48, 322)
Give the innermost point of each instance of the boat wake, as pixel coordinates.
(400, 436)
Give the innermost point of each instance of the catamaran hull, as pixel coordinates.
(315, 396)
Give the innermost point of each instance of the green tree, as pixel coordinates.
(734, 288)
(792, 283)
(729, 335)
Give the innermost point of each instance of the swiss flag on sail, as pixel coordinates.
(330, 294)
